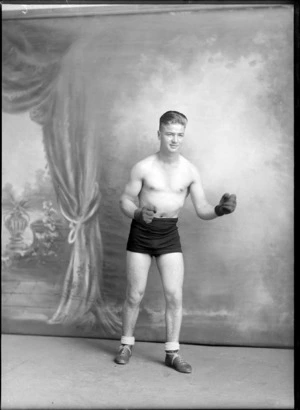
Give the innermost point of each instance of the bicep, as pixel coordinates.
(197, 192)
(134, 185)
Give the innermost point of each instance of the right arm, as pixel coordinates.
(131, 192)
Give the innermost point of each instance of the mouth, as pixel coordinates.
(174, 146)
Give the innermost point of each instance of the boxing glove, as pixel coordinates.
(227, 205)
(145, 214)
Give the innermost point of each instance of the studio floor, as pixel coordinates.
(41, 372)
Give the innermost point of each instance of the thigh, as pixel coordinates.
(171, 268)
(138, 265)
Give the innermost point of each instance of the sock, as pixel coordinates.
(128, 340)
(171, 347)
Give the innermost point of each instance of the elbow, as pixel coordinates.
(204, 216)
(200, 214)
(121, 203)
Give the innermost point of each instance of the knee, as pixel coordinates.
(134, 297)
(174, 299)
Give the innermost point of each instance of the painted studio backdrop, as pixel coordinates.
(82, 97)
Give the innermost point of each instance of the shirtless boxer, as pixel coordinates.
(161, 184)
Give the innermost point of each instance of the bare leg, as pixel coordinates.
(171, 268)
(138, 265)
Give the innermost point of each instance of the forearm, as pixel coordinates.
(128, 207)
(226, 206)
(207, 212)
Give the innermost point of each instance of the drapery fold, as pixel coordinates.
(44, 74)
(31, 57)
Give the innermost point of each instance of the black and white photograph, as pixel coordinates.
(147, 229)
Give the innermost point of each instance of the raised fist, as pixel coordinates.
(227, 205)
(145, 214)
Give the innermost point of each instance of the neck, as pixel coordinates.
(168, 158)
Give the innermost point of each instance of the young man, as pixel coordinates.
(161, 183)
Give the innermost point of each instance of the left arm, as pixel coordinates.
(203, 208)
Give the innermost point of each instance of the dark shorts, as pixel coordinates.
(157, 238)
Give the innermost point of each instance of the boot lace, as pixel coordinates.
(122, 350)
(179, 358)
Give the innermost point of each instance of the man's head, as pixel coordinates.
(171, 131)
(172, 117)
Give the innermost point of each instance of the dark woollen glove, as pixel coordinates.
(226, 205)
(145, 215)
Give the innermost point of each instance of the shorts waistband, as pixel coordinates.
(157, 225)
(174, 220)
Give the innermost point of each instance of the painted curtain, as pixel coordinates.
(51, 85)
(97, 86)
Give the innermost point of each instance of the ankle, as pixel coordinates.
(128, 340)
(126, 345)
(172, 347)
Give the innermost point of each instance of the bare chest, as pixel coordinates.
(167, 180)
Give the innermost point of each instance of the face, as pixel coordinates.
(171, 137)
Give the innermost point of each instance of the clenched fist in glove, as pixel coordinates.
(145, 215)
(226, 205)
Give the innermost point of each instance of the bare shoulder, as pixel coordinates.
(142, 166)
(190, 168)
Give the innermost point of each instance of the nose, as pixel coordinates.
(175, 139)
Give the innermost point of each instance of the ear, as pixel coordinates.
(158, 135)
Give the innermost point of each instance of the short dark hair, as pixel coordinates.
(172, 117)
